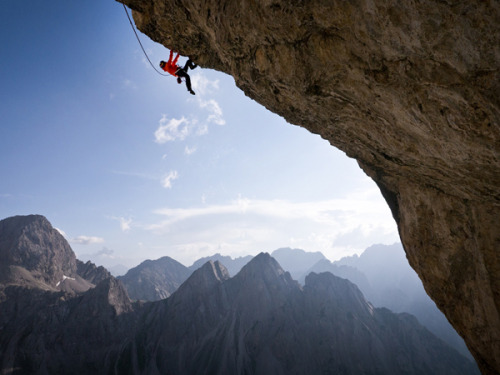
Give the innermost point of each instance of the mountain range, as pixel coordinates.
(381, 272)
(57, 317)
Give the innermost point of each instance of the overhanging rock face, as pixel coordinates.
(409, 89)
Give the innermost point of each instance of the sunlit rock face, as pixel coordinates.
(409, 89)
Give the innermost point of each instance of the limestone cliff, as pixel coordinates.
(409, 89)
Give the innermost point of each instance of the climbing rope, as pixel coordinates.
(143, 50)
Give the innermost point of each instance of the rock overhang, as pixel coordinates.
(409, 90)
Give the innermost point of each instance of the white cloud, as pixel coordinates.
(172, 129)
(86, 240)
(214, 111)
(189, 150)
(167, 180)
(203, 85)
(104, 252)
(178, 129)
(125, 224)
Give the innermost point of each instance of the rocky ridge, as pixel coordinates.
(409, 90)
(381, 273)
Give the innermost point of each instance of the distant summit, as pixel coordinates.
(34, 254)
(32, 243)
(232, 265)
(297, 261)
(153, 280)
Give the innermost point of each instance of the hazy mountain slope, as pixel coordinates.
(153, 280)
(386, 279)
(296, 261)
(232, 265)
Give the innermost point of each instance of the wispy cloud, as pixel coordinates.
(178, 129)
(167, 180)
(253, 224)
(203, 85)
(86, 240)
(98, 256)
(104, 252)
(189, 150)
(204, 88)
(214, 111)
(326, 212)
(125, 223)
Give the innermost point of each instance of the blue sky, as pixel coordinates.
(130, 166)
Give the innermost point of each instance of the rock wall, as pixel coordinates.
(409, 89)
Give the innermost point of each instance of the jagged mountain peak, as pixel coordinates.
(262, 283)
(209, 275)
(92, 273)
(32, 243)
(212, 272)
(265, 267)
(233, 265)
(262, 263)
(154, 280)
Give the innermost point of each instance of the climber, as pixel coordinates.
(171, 67)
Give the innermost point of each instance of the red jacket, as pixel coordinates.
(171, 66)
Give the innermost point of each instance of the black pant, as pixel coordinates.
(189, 64)
(182, 72)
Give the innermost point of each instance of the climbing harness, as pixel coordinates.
(143, 50)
